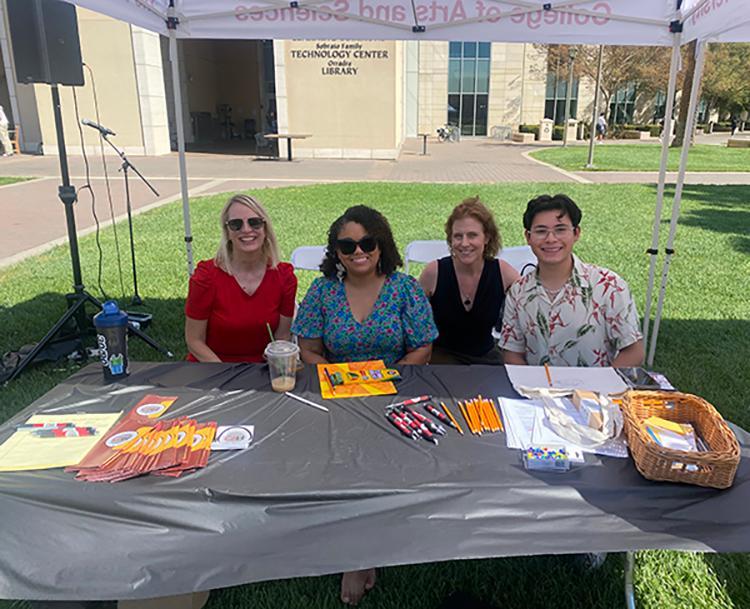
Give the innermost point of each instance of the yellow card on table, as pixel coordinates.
(665, 424)
(26, 451)
(358, 390)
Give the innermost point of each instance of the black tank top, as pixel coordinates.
(469, 331)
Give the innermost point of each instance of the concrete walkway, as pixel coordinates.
(33, 217)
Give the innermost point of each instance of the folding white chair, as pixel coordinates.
(520, 257)
(424, 251)
(308, 257)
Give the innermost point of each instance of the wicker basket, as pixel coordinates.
(713, 468)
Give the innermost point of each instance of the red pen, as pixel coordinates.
(438, 415)
(401, 425)
(420, 428)
(439, 429)
(409, 402)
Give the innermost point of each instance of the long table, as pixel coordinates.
(323, 493)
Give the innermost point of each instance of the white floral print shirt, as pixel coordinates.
(587, 323)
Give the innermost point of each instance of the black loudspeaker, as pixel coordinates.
(46, 47)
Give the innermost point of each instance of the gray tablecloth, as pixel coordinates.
(319, 493)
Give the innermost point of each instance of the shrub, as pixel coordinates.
(529, 129)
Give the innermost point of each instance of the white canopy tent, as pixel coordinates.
(609, 22)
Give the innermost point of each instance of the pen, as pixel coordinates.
(409, 402)
(64, 432)
(44, 425)
(305, 401)
(549, 376)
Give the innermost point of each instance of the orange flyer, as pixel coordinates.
(359, 390)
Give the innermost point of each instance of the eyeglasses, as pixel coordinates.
(235, 224)
(349, 246)
(559, 231)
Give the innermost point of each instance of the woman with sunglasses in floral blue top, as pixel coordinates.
(233, 297)
(363, 309)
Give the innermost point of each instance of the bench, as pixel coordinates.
(524, 138)
(632, 134)
(737, 142)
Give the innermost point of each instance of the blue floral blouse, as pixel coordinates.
(400, 320)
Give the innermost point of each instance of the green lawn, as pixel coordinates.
(11, 180)
(645, 157)
(704, 348)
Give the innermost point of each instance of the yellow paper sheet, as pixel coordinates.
(24, 451)
(357, 390)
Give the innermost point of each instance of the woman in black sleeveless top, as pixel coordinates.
(467, 289)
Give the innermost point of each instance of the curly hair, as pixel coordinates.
(376, 226)
(474, 208)
(270, 250)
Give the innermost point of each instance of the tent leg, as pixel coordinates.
(674, 65)
(700, 55)
(629, 589)
(595, 111)
(177, 96)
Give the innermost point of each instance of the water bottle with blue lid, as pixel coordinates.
(112, 340)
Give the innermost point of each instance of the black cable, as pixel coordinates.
(88, 187)
(107, 184)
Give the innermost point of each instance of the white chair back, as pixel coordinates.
(424, 251)
(520, 257)
(308, 257)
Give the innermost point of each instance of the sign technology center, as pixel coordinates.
(339, 57)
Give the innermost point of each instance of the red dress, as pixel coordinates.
(236, 329)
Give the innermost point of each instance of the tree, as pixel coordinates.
(646, 67)
(726, 78)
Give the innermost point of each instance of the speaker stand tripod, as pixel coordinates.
(80, 297)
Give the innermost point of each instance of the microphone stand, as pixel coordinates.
(125, 167)
(78, 300)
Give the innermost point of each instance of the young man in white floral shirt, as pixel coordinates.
(568, 313)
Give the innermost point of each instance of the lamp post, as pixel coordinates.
(571, 58)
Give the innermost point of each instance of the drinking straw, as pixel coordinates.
(270, 332)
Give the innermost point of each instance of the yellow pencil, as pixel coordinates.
(549, 376)
(499, 418)
(450, 416)
(466, 416)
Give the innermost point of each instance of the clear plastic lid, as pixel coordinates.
(281, 348)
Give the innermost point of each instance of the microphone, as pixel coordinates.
(98, 127)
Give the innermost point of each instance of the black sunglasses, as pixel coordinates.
(236, 223)
(349, 246)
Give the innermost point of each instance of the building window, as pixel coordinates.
(469, 86)
(557, 91)
(622, 105)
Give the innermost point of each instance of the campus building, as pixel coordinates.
(354, 99)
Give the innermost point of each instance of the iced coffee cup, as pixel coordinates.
(282, 357)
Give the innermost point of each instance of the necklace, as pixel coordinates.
(551, 294)
(467, 301)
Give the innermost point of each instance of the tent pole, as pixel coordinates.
(595, 112)
(653, 251)
(177, 97)
(700, 56)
